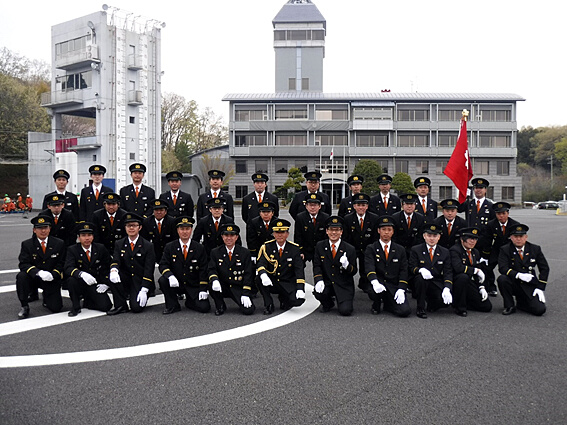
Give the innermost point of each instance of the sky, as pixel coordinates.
(212, 48)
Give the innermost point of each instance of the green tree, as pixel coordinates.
(402, 183)
(217, 162)
(544, 145)
(561, 154)
(525, 145)
(370, 170)
(294, 180)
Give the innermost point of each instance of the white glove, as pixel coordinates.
(400, 296)
(480, 275)
(203, 295)
(142, 297)
(114, 276)
(320, 286)
(253, 260)
(101, 288)
(344, 261)
(88, 278)
(300, 294)
(483, 293)
(217, 286)
(426, 274)
(377, 286)
(447, 297)
(483, 260)
(266, 281)
(45, 276)
(173, 282)
(246, 301)
(539, 294)
(526, 277)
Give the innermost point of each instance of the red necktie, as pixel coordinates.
(259, 197)
(217, 226)
(185, 252)
(520, 251)
(314, 221)
(229, 256)
(477, 206)
(385, 203)
(361, 223)
(56, 219)
(43, 246)
(424, 206)
(409, 222)
(431, 253)
(137, 191)
(386, 251)
(281, 251)
(504, 229)
(267, 226)
(333, 250)
(111, 218)
(449, 225)
(96, 194)
(214, 194)
(88, 255)
(132, 246)
(174, 199)
(470, 256)
(159, 227)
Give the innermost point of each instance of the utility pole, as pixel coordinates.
(551, 162)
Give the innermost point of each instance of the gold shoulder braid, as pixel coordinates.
(274, 262)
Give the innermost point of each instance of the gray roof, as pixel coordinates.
(298, 11)
(390, 96)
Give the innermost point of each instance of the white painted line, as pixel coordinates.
(282, 319)
(9, 271)
(7, 288)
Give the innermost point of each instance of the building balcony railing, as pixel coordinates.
(135, 62)
(135, 97)
(61, 98)
(78, 58)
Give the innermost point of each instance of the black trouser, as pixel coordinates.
(344, 299)
(286, 295)
(510, 287)
(93, 300)
(363, 282)
(122, 290)
(192, 300)
(428, 290)
(390, 304)
(233, 292)
(51, 291)
(466, 294)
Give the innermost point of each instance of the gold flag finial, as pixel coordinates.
(465, 114)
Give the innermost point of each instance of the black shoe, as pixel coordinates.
(24, 312)
(73, 312)
(171, 310)
(325, 309)
(462, 313)
(117, 310)
(493, 293)
(219, 311)
(375, 309)
(269, 309)
(509, 310)
(421, 313)
(33, 297)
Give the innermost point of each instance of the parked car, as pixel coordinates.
(548, 205)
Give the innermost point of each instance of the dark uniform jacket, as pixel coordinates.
(137, 266)
(71, 203)
(357, 237)
(492, 239)
(298, 203)
(65, 227)
(510, 263)
(286, 270)
(238, 271)
(106, 234)
(184, 204)
(306, 234)
(159, 239)
(441, 267)
(329, 269)
(460, 261)
(206, 233)
(408, 237)
(250, 205)
(190, 271)
(392, 273)
(202, 209)
(477, 219)
(448, 240)
(77, 262)
(89, 204)
(345, 207)
(377, 205)
(32, 259)
(257, 234)
(430, 212)
(139, 205)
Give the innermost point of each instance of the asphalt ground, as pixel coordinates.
(297, 367)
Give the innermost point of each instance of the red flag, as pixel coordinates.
(459, 168)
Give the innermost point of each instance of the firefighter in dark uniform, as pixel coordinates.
(132, 268)
(87, 266)
(281, 270)
(108, 222)
(517, 264)
(63, 221)
(425, 205)
(360, 231)
(251, 201)
(159, 228)
(136, 197)
(430, 263)
(216, 178)
(313, 183)
(334, 266)
(494, 236)
(450, 223)
(468, 275)
(478, 210)
(355, 184)
(409, 223)
(386, 266)
(61, 178)
(231, 272)
(180, 203)
(258, 230)
(208, 229)
(41, 263)
(92, 195)
(385, 203)
(183, 269)
(310, 226)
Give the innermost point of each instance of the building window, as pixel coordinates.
(371, 140)
(240, 166)
(383, 163)
(413, 140)
(480, 168)
(291, 140)
(328, 166)
(490, 192)
(447, 140)
(299, 35)
(440, 166)
(494, 141)
(331, 140)
(331, 115)
(305, 84)
(280, 166)
(500, 116)
(261, 166)
(450, 115)
(373, 113)
(241, 191)
(249, 115)
(302, 165)
(241, 141)
(422, 167)
(132, 156)
(508, 193)
(291, 84)
(401, 166)
(503, 168)
(291, 114)
(132, 120)
(71, 46)
(445, 192)
(413, 114)
(78, 81)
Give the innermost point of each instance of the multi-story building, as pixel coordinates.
(300, 126)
